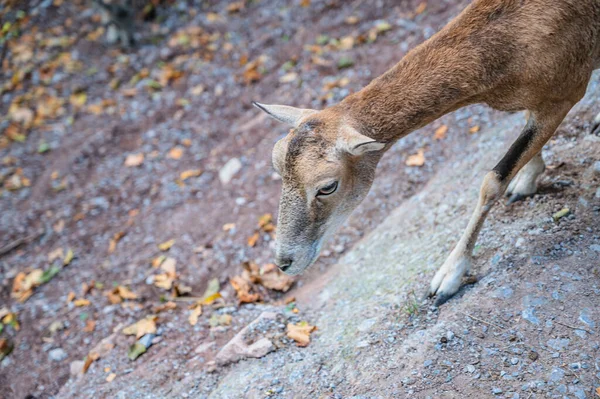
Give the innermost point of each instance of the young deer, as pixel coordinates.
(534, 55)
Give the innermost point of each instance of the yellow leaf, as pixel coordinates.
(440, 132)
(194, 314)
(111, 377)
(134, 159)
(417, 159)
(190, 173)
(139, 329)
(81, 302)
(300, 333)
(78, 100)
(68, 257)
(156, 262)
(165, 246)
(474, 129)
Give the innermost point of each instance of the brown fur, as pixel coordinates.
(535, 55)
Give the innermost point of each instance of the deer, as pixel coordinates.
(512, 55)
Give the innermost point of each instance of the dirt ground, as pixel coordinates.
(183, 99)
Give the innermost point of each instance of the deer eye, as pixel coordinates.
(328, 189)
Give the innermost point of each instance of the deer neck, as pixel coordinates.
(427, 83)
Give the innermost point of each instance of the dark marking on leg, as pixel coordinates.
(508, 163)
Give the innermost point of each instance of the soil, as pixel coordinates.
(528, 328)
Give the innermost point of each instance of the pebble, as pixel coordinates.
(597, 167)
(595, 247)
(229, 170)
(57, 355)
(496, 391)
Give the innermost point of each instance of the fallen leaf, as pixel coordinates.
(135, 351)
(134, 160)
(68, 257)
(144, 326)
(112, 244)
(304, 3)
(235, 7)
(89, 359)
(81, 302)
(194, 314)
(111, 377)
(474, 129)
(300, 332)
(175, 153)
(165, 246)
(242, 289)
(190, 173)
(90, 326)
(420, 8)
(440, 132)
(219, 320)
(166, 306)
(197, 90)
(56, 254)
(598, 391)
(156, 262)
(228, 226)
(417, 159)
(253, 239)
(272, 278)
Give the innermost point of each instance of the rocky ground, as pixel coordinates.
(75, 181)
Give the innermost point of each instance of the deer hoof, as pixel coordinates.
(448, 279)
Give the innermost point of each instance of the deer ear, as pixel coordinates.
(283, 113)
(353, 142)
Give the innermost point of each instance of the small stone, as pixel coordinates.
(57, 355)
(597, 167)
(471, 368)
(146, 340)
(514, 361)
(557, 374)
(533, 356)
(595, 247)
(229, 170)
(496, 391)
(76, 367)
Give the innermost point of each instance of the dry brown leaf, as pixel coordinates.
(235, 7)
(194, 314)
(145, 326)
(175, 153)
(242, 289)
(474, 129)
(56, 254)
(421, 8)
(165, 306)
(165, 280)
(112, 244)
(272, 278)
(253, 239)
(598, 391)
(90, 358)
(111, 377)
(186, 174)
(440, 132)
(134, 160)
(81, 302)
(90, 326)
(165, 246)
(417, 159)
(300, 333)
(156, 262)
(228, 226)
(70, 296)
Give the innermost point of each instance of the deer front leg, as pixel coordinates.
(540, 127)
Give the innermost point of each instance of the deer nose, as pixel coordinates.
(283, 263)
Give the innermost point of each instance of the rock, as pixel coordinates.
(229, 170)
(597, 195)
(558, 344)
(205, 346)
(57, 355)
(585, 316)
(557, 374)
(597, 167)
(595, 247)
(76, 368)
(238, 349)
(496, 391)
(146, 340)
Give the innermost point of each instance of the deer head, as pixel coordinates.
(327, 167)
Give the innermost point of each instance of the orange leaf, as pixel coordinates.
(194, 314)
(300, 333)
(440, 132)
(253, 239)
(417, 159)
(420, 8)
(175, 153)
(474, 129)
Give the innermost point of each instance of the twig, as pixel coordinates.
(574, 328)
(483, 321)
(18, 242)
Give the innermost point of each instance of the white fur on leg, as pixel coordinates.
(448, 278)
(525, 182)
